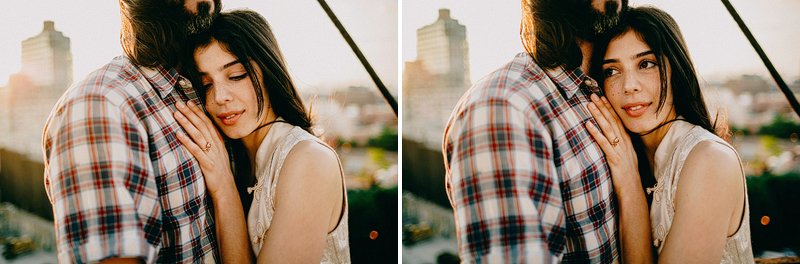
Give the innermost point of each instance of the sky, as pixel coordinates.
(317, 55)
(718, 47)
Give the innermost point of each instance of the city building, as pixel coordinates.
(46, 58)
(442, 49)
(433, 83)
(30, 95)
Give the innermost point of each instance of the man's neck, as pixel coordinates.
(586, 51)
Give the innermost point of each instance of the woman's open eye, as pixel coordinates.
(238, 77)
(608, 72)
(647, 64)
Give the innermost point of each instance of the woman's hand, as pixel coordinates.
(206, 145)
(616, 145)
(634, 220)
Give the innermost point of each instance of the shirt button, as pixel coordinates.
(591, 85)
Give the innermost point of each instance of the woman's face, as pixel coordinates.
(230, 98)
(632, 83)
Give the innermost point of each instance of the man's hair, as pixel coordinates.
(155, 31)
(151, 31)
(550, 29)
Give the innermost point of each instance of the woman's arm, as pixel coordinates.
(708, 205)
(231, 227)
(205, 143)
(634, 218)
(308, 202)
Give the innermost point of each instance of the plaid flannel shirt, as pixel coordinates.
(120, 182)
(527, 182)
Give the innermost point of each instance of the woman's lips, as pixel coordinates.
(636, 109)
(230, 118)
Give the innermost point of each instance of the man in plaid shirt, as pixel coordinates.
(123, 188)
(526, 181)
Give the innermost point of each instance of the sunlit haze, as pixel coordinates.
(317, 55)
(717, 45)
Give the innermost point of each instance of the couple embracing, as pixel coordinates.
(192, 147)
(595, 145)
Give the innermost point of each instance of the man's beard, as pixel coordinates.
(609, 20)
(202, 20)
(596, 23)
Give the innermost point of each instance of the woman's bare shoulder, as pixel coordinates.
(317, 163)
(711, 167)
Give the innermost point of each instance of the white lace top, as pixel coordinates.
(670, 156)
(270, 156)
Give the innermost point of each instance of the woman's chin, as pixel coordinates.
(233, 134)
(636, 128)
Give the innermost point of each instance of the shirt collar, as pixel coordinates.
(571, 81)
(164, 81)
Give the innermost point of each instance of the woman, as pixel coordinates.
(699, 210)
(299, 206)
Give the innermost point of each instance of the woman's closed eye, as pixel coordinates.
(238, 77)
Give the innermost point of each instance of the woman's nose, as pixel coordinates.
(222, 94)
(631, 84)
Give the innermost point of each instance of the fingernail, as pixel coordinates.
(179, 105)
(190, 103)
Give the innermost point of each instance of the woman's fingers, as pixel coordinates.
(610, 117)
(610, 108)
(601, 139)
(623, 133)
(193, 148)
(198, 123)
(602, 121)
(195, 135)
(203, 118)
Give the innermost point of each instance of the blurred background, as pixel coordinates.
(447, 45)
(48, 44)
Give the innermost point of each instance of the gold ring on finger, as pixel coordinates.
(207, 147)
(615, 142)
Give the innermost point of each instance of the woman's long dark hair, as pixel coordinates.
(248, 36)
(660, 31)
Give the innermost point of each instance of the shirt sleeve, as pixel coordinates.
(501, 182)
(99, 179)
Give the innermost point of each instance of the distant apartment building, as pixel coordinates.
(433, 83)
(442, 49)
(46, 58)
(30, 95)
